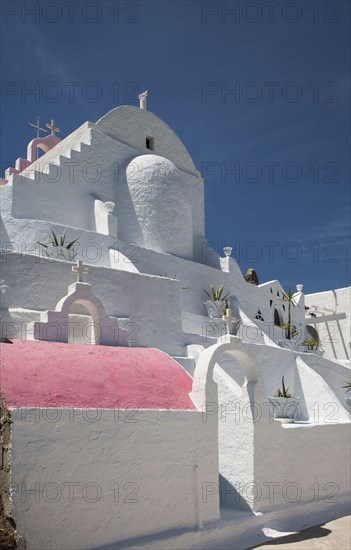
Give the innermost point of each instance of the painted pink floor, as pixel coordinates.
(50, 374)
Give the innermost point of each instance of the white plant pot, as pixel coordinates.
(214, 309)
(285, 407)
(348, 401)
(289, 344)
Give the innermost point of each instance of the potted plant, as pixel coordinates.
(289, 298)
(215, 305)
(347, 387)
(59, 248)
(284, 404)
(291, 340)
(291, 332)
(313, 346)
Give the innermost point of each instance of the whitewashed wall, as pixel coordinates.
(273, 465)
(86, 478)
(131, 125)
(39, 285)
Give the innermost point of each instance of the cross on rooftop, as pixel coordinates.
(53, 127)
(80, 269)
(37, 127)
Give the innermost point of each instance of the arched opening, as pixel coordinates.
(41, 149)
(278, 318)
(40, 152)
(83, 324)
(313, 332)
(236, 465)
(227, 375)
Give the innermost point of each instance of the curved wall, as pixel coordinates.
(160, 200)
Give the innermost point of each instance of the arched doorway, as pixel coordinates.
(227, 380)
(278, 318)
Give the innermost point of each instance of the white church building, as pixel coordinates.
(136, 410)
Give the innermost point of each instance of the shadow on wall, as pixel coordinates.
(230, 498)
(129, 229)
(312, 533)
(146, 539)
(5, 239)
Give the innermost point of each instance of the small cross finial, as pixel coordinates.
(53, 127)
(80, 269)
(228, 319)
(37, 127)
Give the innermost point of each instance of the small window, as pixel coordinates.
(149, 143)
(259, 316)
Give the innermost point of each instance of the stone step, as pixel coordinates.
(64, 156)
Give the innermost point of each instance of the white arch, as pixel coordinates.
(242, 439)
(204, 386)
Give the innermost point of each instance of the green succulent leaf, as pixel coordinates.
(284, 392)
(69, 246)
(54, 238)
(216, 294)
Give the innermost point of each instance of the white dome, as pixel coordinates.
(161, 203)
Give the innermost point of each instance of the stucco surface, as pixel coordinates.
(82, 375)
(123, 294)
(101, 476)
(161, 204)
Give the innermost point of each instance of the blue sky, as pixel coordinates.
(259, 96)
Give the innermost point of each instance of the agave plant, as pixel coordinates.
(290, 299)
(216, 294)
(312, 343)
(284, 392)
(60, 244)
(290, 329)
(347, 386)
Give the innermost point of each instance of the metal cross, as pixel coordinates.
(80, 269)
(53, 127)
(37, 127)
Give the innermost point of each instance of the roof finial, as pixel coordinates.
(142, 98)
